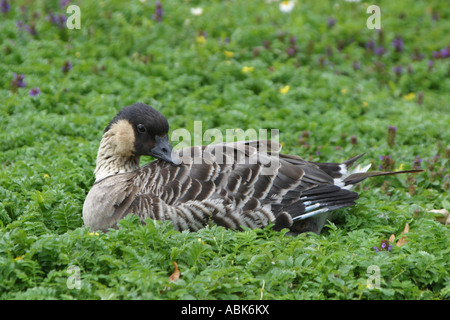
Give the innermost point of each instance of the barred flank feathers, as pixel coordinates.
(240, 197)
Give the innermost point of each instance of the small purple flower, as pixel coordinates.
(420, 97)
(417, 162)
(256, 51)
(370, 45)
(430, 65)
(379, 66)
(19, 24)
(398, 44)
(66, 67)
(30, 29)
(318, 150)
(301, 140)
(417, 55)
(5, 6)
(392, 130)
(356, 65)
(435, 16)
(63, 3)
(58, 20)
(331, 22)
(158, 12)
(445, 53)
(398, 70)
(51, 17)
(384, 246)
(386, 163)
(322, 61)
(293, 40)
(18, 80)
(61, 21)
(291, 51)
(441, 54)
(35, 91)
(380, 51)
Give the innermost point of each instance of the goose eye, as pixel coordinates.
(141, 128)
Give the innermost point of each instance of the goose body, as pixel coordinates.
(241, 184)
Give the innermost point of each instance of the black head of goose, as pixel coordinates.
(241, 184)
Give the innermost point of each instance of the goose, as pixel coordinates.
(238, 185)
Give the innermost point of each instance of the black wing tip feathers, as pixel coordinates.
(349, 162)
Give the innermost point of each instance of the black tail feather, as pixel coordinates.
(360, 176)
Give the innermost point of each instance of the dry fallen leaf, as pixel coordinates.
(443, 216)
(403, 240)
(176, 274)
(392, 238)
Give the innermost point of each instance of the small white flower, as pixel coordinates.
(197, 11)
(286, 6)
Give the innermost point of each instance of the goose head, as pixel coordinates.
(140, 130)
(137, 130)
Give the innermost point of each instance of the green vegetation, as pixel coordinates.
(331, 86)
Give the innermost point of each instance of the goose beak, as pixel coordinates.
(162, 150)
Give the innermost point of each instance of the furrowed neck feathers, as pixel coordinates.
(115, 154)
